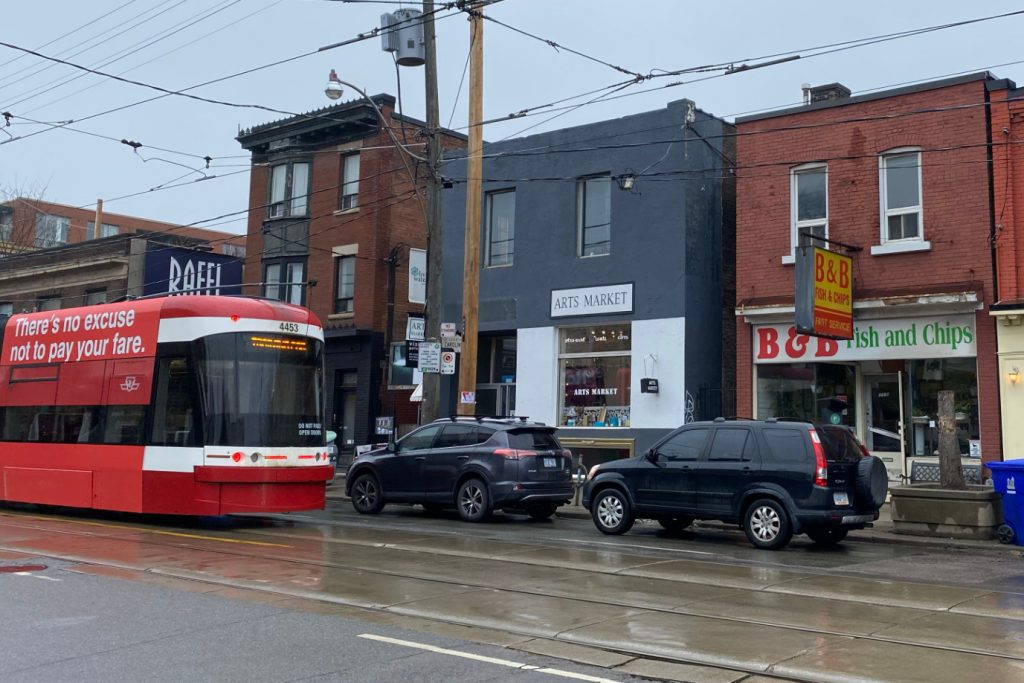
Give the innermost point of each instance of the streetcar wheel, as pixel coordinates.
(474, 501)
(367, 498)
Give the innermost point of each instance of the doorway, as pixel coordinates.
(884, 435)
(345, 410)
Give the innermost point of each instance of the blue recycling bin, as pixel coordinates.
(1008, 481)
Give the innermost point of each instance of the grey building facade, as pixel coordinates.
(606, 263)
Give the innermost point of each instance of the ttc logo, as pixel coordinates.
(130, 384)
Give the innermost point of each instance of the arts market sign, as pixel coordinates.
(896, 339)
(592, 300)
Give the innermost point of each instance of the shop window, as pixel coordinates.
(349, 182)
(813, 392)
(594, 366)
(929, 377)
(594, 216)
(808, 205)
(501, 228)
(496, 360)
(901, 212)
(289, 190)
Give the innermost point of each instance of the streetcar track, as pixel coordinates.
(476, 585)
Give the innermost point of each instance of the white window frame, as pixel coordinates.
(490, 230)
(285, 287)
(796, 225)
(349, 196)
(908, 244)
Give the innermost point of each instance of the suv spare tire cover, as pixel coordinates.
(872, 481)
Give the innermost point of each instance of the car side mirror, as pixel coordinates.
(392, 447)
(651, 455)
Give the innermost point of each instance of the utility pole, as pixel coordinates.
(474, 173)
(431, 381)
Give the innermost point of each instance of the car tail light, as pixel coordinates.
(566, 453)
(820, 464)
(863, 450)
(513, 453)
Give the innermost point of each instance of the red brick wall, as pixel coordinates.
(955, 200)
(1008, 188)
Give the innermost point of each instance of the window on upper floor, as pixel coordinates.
(48, 303)
(289, 190)
(234, 250)
(95, 296)
(501, 228)
(349, 198)
(6, 308)
(594, 216)
(6, 223)
(51, 231)
(106, 230)
(283, 280)
(808, 186)
(344, 283)
(900, 207)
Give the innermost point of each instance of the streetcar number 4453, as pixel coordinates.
(289, 327)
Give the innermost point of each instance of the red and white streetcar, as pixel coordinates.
(190, 405)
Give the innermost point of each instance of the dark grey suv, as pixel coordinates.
(477, 465)
(775, 478)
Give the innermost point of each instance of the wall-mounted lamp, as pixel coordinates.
(626, 181)
(1014, 375)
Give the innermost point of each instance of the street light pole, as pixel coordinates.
(474, 172)
(431, 406)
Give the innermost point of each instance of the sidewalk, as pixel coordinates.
(881, 532)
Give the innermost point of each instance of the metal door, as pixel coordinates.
(884, 435)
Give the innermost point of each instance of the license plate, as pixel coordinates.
(550, 462)
(841, 498)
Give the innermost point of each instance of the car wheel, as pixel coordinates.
(827, 535)
(767, 524)
(675, 524)
(367, 498)
(611, 512)
(541, 512)
(473, 501)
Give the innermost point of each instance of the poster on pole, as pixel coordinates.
(417, 276)
(467, 397)
(430, 357)
(415, 328)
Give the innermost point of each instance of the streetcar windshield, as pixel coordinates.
(261, 389)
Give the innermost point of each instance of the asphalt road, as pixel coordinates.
(703, 601)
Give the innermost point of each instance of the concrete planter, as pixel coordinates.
(928, 510)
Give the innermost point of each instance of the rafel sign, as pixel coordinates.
(895, 339)
(824, 293)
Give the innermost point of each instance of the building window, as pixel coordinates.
(900, 189)
(809, 203)
(51, 231)
(344, 283)
(289, 190)
(237, 250)
(48, 303)
(349, 182)
(814, 392)
(501, 228)
(94, 297)
(6, 223)
(594, 216)
(594, 366)
(400, 376)
(6, 308)
(106, 230)
(284, 281)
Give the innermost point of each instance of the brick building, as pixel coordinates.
(904, 177)
(27, 224)
(335, 218)
(1007, 117)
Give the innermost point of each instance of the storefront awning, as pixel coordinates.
(417, 394)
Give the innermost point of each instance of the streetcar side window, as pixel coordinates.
(17, 422)
(174, 414)
(124, 424)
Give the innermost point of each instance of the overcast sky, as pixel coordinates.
(179, 43)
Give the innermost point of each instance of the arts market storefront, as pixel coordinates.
(883, 383)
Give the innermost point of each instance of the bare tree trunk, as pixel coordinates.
(951, 475)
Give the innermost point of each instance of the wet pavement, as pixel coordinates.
(647, 600)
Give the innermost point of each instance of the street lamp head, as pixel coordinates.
(333, 89)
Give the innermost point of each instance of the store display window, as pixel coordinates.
(929, 377)
(815, 392)
(594, 367)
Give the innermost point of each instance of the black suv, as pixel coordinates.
(776, 478)
(476, 464)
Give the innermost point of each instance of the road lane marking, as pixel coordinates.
(487, 660)
(35, 576)
(179, 534)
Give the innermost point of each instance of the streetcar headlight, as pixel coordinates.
(254, 457)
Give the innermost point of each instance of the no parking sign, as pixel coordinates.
(447, 362)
